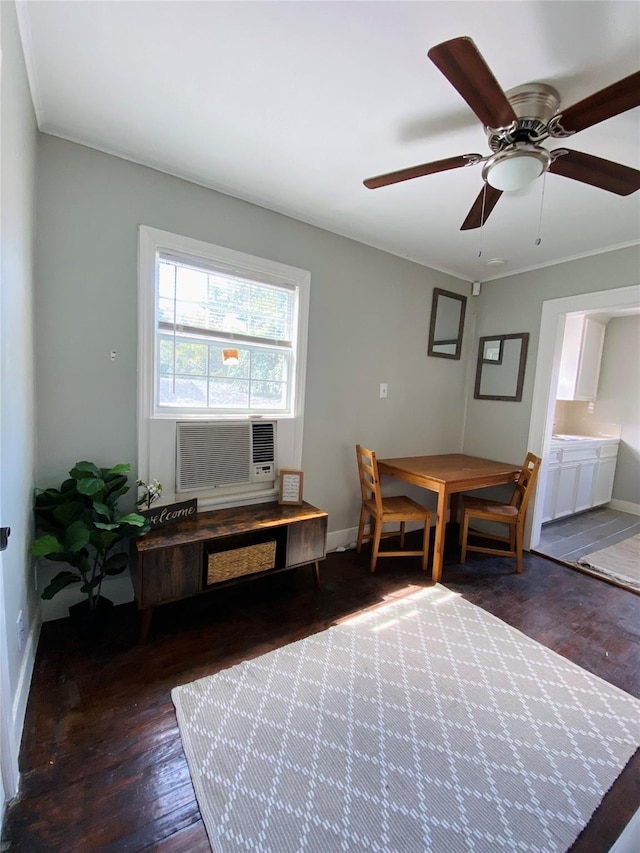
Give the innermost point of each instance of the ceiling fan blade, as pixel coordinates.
(607, 103)
(614, 177)
(464, 67)
(487, 199)
(420, 171)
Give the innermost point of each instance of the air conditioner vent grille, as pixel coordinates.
(263, 442)
(220, 453)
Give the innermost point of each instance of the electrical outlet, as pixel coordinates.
(383, 390)
(20, 628)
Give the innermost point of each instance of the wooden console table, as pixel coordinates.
(178, 561)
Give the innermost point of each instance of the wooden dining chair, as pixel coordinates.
(512, 514)
(381, 510)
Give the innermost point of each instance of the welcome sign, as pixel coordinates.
(169, 514)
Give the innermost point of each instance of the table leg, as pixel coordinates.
(316, 574)
(441, 527)
(453, 512)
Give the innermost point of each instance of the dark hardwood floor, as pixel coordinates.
(101, 759)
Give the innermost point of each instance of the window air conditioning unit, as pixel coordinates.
(220, 454)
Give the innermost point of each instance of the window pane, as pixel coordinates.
(229, 394)
(269, 365)
(219, 369)
(190, 358)
(188, 392)
(268, 395)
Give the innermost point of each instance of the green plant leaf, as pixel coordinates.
(116, 564)
(85, 469)
(66, 513)
(106, 525)
(118, 561)
(61, 580)
(45, 545)
(88, 586)
(101, 509)
(133, 518)
(114, 489)
(121, 468)
(90, 486)
(77, 535)
(72, 559)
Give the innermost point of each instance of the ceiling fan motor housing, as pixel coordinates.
(534, 104)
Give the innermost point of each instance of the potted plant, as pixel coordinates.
(81, 526)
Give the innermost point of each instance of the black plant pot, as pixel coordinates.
(91, 623)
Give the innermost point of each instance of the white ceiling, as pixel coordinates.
(290, 105)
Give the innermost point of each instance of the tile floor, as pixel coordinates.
(572, 537)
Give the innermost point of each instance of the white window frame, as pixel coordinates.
(156, 429)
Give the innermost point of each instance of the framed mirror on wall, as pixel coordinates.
(447, 324)
(502, 360)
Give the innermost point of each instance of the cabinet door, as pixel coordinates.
(584, 488)
(169, 574)
(566, 494)
(603, 482)
(306, 541)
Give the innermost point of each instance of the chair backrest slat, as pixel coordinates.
(525, 484)
(369, 478)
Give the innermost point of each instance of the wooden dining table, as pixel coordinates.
(447, 474)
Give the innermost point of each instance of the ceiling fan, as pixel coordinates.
(517, 122)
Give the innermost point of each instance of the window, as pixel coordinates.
(222, 336)
(203, 315)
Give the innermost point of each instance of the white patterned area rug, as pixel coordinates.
(423, 725)
(620, 562)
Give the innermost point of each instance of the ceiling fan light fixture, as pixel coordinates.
(514, 169)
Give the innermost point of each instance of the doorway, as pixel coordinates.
(552, 327)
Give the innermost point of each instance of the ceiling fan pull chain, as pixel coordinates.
(539, 237)
(484, 198)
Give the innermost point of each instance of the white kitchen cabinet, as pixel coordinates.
(579, 475)
(581, 357)
(605, 472)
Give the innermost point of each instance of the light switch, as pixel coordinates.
(383, 390)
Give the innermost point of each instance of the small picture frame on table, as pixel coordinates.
(290, 487)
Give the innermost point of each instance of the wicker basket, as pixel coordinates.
(224, 565)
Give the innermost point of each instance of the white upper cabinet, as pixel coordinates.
(581, 357)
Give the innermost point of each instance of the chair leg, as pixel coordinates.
(375, 545)
(402, 534)
(519, 537)
(465, 534)
(363, 519)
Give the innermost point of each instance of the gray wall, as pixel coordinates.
(18, 146)
(619, 401)
(513, 304)
(369, 320)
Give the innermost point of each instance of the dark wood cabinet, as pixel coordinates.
(234, 544)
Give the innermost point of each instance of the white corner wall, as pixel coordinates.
(17, 418)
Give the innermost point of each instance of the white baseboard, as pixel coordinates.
(19, 707)
(624, 506)
(347, 538)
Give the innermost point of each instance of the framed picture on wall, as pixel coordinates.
(290, 487)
